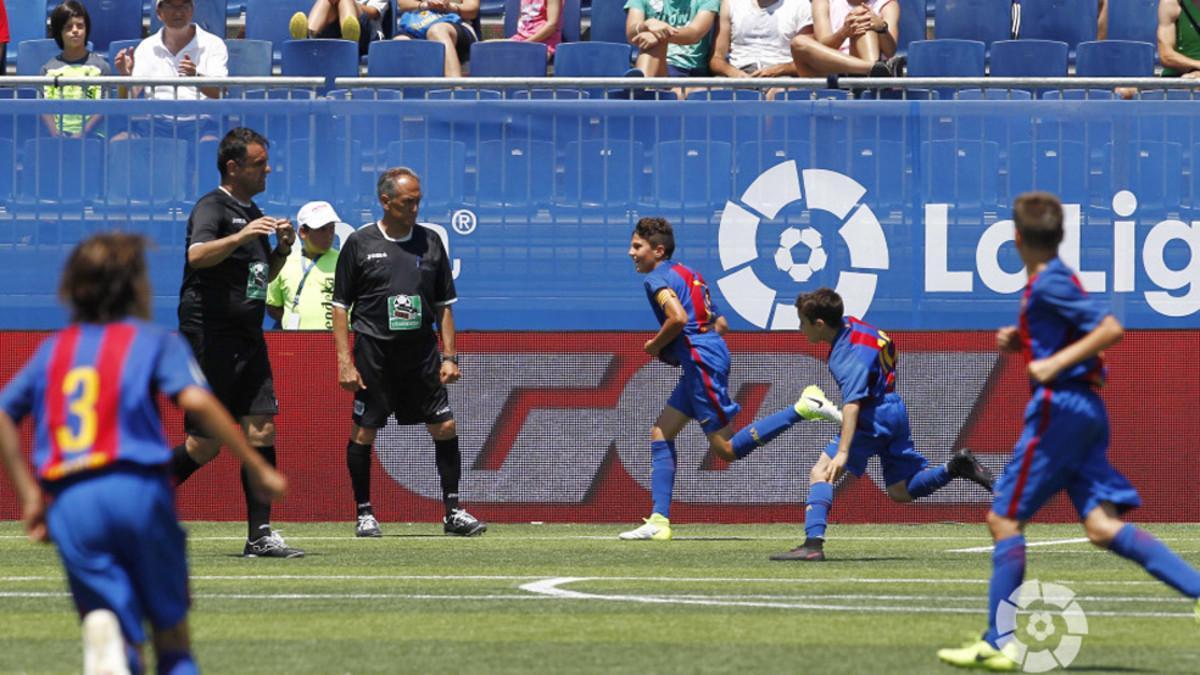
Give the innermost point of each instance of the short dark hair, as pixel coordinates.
(388, 179)
(63, 14)
(1039, 219)
(824, 304)
(233, 146)
(104, 279)
(658, 232)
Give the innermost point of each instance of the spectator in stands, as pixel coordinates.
(179, 49)
(71, 26)
(359, 22)
(1179, 38)
(1102, 20)
(672, 36)
(774, 38)
(301, 297)
(454, 23)
(541, 21)
(754, 37)
(3, 38)
(864, 30)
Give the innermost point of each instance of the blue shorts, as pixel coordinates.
(883, 430)
(676, 71)
(703, 389)
(122, 547)
(1064, 446)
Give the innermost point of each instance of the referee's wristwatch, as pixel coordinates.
(452, 358)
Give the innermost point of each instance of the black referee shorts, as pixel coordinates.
(238, 372)
(402, 379)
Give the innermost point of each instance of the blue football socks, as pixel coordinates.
(928, 481)
(662, 476)
(816, 513)
(1008, 573)
(763, 431)
(1160, 561)
(177, 663)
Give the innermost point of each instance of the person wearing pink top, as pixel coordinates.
(541, 21)
(865, 30)
(3, 37)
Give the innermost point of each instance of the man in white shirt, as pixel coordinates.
(179, 49)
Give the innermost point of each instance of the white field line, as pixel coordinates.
(552, 588)
(715, 536)
(476, 577)
(1052, 542)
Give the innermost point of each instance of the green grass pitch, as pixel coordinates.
(571, 598)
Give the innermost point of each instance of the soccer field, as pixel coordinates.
(571, 598)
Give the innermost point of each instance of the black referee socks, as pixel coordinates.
(449, 466)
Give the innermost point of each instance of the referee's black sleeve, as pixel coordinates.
(345, 276)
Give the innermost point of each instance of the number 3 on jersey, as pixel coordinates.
(81, 389)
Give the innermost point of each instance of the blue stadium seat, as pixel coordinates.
(281, 123)
(946, 58)
(62, 171)
(1114, 58)
(1151, 169)
(1080, 95)
(249, 58)
(882, 167)
(26, 21)
(407, 58)
(913, 24)
(209, 15)
(8, 170)
(592, 59)
(1029, 58)
(321, 58)
(491, 8)
(146, 172)
(603, 172)
(692, 174)
(464, 95)
(1052, 166)
(725, 95)
(33, 54)
(1070, 21)
(755, 157)
(544, 94)
(993, 95)
(508, 59)
(987, 21)
(115, 48)
(14, 127)
(373, 126)
(114, 20)
(1133, 20)
(608, 21)
(268, 20)
(312, 169)
(569, 20)
(442, 166)
(525, 173)
(974, 166)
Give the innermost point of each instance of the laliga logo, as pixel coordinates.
(824, 190)
(1053, 602)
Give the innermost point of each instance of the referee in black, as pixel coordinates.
(396, 279)
(221, 304)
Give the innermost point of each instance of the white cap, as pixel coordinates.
(314, 215)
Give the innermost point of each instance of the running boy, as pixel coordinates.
(102, 458)
(690, 337)
(862, 360)
(1064, 446)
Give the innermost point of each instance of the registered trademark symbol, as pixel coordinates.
(464, 221)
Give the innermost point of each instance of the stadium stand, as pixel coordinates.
(1071, 21)
(115, 20)
(1114, 58)
(268, 20)
(913, 24)
(33, 54)
(608, 21)
(319, 57)
(26, 21)
(508, 59)
(987, 21)
(1133, 20)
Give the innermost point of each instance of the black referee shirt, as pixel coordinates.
(395, 287)
(229, 297)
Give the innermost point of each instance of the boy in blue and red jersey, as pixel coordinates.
(1064, 446)
(862, 359)
(102, 458)
(689, 337)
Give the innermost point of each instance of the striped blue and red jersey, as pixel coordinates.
(693, 294)
(1055, 312)
(91, 391)
(862, 360)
